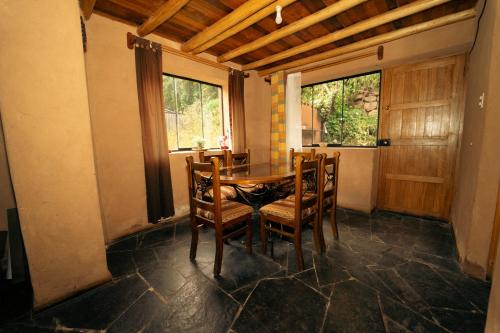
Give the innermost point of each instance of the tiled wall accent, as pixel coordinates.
(278, 129)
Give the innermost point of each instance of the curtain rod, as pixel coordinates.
(131, 41)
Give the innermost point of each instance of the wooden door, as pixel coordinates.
(421, 114)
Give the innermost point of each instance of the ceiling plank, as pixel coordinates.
(325, 13)
(228, 21)
(252, 19)
(160, 16)
(87, 7)
(373, 41)
(351, 30)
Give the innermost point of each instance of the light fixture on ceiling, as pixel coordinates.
(279, 19)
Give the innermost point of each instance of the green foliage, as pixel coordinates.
(192, 109)
(343, 119)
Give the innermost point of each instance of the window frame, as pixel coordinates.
(201, 106)
(342, 79)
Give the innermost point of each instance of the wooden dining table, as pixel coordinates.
(259, 173)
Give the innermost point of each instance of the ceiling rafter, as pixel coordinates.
(160, 16)
(87, 7)
(323, 14)
(226, 22)
(252, 19)
(351, 30)
(373, 41)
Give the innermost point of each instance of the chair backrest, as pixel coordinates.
(307, 185)
(329, 175)
(201, 178)
(237, 158)
(306, 155)
(205, 156)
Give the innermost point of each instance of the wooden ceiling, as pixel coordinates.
(197, 15)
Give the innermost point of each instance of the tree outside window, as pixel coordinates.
(342, 112)
(193, 109)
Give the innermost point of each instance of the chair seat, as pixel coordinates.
(231, 210)
(285, 208)
(226, 193)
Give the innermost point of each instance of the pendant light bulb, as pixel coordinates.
(279, 19)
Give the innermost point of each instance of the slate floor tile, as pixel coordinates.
(353, 308)
(120, 263)
(97, 308)
(274, 304)
(386, 273)
(163, 279)
(139, 315)
(434, 290)
(407, 318)
(199, 306)
(240, 268)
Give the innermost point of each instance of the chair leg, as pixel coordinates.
(263, 234)
(219, 247)
(249, 236)
(319, 239)
(298, 250)
(333, 221)
(194, 240)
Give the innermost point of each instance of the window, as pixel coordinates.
(193, 109)
(342, 112)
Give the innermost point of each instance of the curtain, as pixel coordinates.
(148, 61)
(237, 110)
(293, 111)
(279, 153)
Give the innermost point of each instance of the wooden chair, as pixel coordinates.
(329, 176)
(205, 156)
(287, 216)
(306, 155)
(227, 192)
(228, 218)
(233, 159)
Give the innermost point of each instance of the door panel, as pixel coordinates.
(421, 113)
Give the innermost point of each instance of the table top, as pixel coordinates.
(256, 173)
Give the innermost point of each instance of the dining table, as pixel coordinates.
(258, 173)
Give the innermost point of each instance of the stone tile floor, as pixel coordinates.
(388, 273)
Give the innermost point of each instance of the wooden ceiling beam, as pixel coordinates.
(373, 41)
(87, 7)
(351, 30)
(160, 16)
(252, 19)
(303, 23)
(236, 16)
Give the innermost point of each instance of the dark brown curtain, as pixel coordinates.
(148, 63)
(237, 109)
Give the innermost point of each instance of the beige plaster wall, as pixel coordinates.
(357, 182)
(452, 39)
(479, 172)
(111, 81)
(6, 192)
(48, 137)
(258, 117)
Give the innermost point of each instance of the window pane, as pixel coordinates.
(189, 112)
(307, 112)
(171, 122)
(361, 101)
(327, 114)
(168, 93)
(212, 114)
